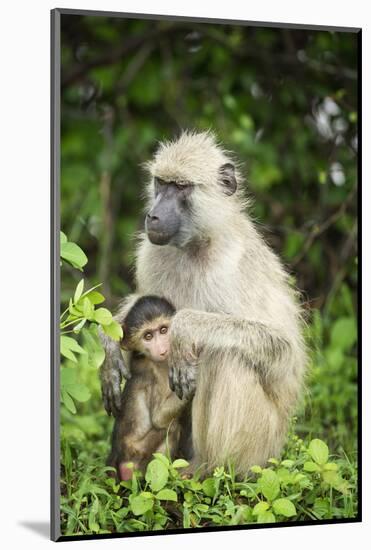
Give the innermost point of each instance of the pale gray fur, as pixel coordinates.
(234, 305)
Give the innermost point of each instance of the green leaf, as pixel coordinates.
(63, 238)
(203, 508)
(284, 476)
(269, 484)
(80, 392)
(266, 517)
(321, 507)
(180, 463)
(96, 358)
(195, 485)
(146, 494)
(260, 507)
(318, 450)
(68, 353)
(335, 480)
(93, 526)
(73, 254)
(256, 469)
(87, 308)
(334, 357)
(331, 466)
(186, 518)
(287, 463)
(95, 297)
(284, 507)
(344, 333)
(332, 478)
(71, 344)
(157, 474)
(167, 494)
(68, 376)
(103, 316)
(242, 516)
(78, 291)
(140, 505)
(311, 467)
(72, 309)
(113, 330)
(162, 458)
(302, 480)
(208, 487)
(68, 401)
(78, 327)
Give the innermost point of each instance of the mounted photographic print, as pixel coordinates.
(205, 186)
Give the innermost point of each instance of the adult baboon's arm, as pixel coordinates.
(259, 345)
(170, 408)
(116, 365)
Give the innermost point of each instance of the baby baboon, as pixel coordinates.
(149, 418)
(233, 300)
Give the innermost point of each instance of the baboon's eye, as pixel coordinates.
(184, 186)
(148, 336)
(163, 330)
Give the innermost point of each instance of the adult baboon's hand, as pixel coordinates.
(113, 370)
(183, 379)
(183, 360)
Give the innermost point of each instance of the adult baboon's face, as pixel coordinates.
(168, 221)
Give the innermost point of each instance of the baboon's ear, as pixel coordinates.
(227, 178)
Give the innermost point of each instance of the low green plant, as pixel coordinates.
(304, 485)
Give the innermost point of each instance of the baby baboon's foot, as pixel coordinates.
(193, 469)
(126, 470)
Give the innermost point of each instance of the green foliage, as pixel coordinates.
(331, 404)
(157, 474)
(163, 498)
(71, 389)
(72, 253)
(81, 309)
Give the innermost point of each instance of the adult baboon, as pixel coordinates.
(234, 305)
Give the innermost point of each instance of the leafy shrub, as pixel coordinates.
(80, 311)
(304, 485)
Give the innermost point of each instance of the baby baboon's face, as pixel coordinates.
(155, 342)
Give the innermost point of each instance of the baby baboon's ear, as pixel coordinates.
(124, 342)
(227, 178)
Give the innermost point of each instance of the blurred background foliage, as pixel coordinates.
(285, 101)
